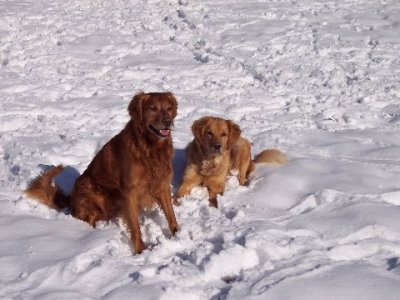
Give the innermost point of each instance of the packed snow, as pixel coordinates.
(318, 79)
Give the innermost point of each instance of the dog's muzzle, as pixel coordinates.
(161, 133)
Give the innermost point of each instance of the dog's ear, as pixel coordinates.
(135, 107)
(234, 132)
(198, 128)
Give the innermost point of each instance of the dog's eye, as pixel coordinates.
(153, 108)
(169, 108)
(209, 133)
(223, 134)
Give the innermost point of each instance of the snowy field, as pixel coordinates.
(319, 80)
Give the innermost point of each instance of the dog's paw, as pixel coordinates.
(139, 246)
(176, 202)
(214, 202)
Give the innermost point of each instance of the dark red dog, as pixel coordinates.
(131, 172)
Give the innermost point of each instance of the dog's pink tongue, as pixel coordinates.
(164, 132)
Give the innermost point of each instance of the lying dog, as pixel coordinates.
(218, 148)
(133, 171)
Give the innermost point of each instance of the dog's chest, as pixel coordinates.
(214, 166)
(157, 168)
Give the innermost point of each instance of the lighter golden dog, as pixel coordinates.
(217, 149)
(131, 172)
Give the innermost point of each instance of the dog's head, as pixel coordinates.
(154, 113)
(215, 135)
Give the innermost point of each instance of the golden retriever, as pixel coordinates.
(133, 171)
(217, 149)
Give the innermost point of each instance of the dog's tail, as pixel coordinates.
(269, 157)
(43, 189)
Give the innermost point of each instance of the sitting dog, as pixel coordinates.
(133, 171)
(217, 149)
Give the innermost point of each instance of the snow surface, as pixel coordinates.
(319, 80)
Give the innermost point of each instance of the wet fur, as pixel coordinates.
(130, 173)
(209, 168)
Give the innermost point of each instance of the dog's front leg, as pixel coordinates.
(214, 188)
(131, 211)
(166, 206)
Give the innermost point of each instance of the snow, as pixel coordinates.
(319, 80)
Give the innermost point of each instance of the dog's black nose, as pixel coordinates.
(167, 122)
(217, 146)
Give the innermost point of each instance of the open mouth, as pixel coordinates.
(161, 133)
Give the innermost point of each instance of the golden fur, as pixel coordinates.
(218, 148)
(131, 172)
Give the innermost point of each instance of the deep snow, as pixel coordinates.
(319, 80)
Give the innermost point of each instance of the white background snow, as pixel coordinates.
(319, 80)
